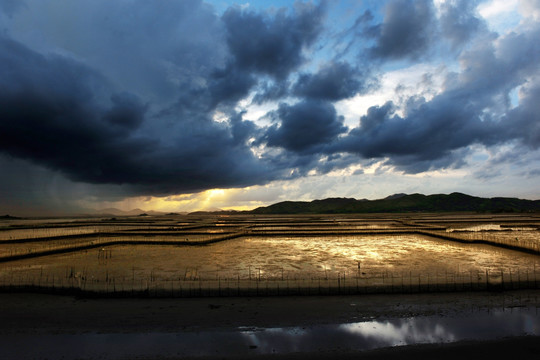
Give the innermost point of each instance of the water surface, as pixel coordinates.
(243, 341)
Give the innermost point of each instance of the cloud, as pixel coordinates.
(53, 114)
(424, 140)
(78, 118)
(10, 7)
(459, 21)
(242, 130)
(126, 112)
(496, 7)
(530, 8)
(429, 137)
(333, 82)
(155, 59)
(473, 109)
(407, 30)
(523, 122)
(49, 115)
(272, 45)
(271, 91)
(304, 126)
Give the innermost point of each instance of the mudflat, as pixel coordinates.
(31, 316)
(432, 286)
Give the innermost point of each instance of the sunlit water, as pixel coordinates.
(243, 341)
(285, 257)
(490, 227)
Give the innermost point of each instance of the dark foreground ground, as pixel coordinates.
(511, 348)
(35, 316)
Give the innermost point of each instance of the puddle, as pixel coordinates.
(244, 341)
(490, 227)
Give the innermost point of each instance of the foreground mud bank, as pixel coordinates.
(26, 312)
(518, 347)
(318, 327)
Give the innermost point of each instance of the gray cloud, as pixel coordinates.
(242, 130)
(271, 91)
(304, 126)
(156, 50)
(523, 122)
(459, 22)
(10, 7)
(333, 82)
(424, 139)
(48, 114)
(407, 30)
(67, 115)
(51, 115)
(272, 45)
(473, 109)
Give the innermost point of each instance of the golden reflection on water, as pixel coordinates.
(379, 253)
(489, 227)
(290, 257)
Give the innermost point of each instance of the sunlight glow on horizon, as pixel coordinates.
(209, 200)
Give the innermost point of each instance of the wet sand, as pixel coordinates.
(510, 348)
(33, 315)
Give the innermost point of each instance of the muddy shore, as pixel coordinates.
(31, 316)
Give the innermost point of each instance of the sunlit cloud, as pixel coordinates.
(501, 15)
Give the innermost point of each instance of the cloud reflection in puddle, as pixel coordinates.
(243, 341)
(409, 331)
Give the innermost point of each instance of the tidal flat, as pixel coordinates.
(269, 286)
(224, 255)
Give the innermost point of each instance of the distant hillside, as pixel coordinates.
(118, 212)
(403, 203)
(9, 217)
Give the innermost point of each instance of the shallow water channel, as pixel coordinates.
(245, 341)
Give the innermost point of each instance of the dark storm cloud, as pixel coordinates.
(272, 45)
(262, 50)
(70, 117)
(126, 111)
(333, 82)
(406, 32)
(156, 50)
(304, 126)
(229, 85)
(221, 87)
(51, 116)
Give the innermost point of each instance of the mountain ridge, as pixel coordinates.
(454, 202)
(132, 212)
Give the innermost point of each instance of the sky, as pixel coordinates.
(191, 105)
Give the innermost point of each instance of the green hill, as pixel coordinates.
(403, 203)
